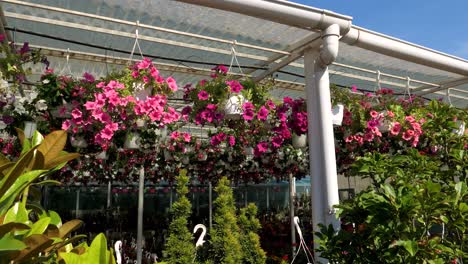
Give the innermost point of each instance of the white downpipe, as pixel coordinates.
(324, 183)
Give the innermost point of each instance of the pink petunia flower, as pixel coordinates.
(172, 84)
(231, 140)
(203, 95)
(262, 113)
(235, 86)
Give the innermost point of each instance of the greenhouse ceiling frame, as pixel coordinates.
(318, 49)
(273, 63)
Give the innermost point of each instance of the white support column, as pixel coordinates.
(322, 158)
(141, 188)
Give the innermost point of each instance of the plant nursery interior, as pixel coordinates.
(231, 131)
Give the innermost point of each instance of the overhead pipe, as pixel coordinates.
(283, 12)
(310, 18)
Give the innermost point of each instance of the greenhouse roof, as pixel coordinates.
(187, 40)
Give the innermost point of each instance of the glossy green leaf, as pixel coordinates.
(17, 213)
(98, 249)
(409, 245)
(8, 243)
(40, 226)
(55, 218)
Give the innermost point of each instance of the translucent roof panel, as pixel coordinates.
(196, 37)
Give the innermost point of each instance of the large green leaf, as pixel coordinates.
(98, 250)
(409, 245)
(36, 244)
(8, 227)
(50, 164)
(72, 258)
(69, 227)
(52, 145)
(21, 135)
(17, 213)
(9, 196)
(8, 243)
(55, 218)
(16, 171)
(3, 159)
(37, 138)
(40, 226)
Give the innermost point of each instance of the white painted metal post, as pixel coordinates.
(141, 187)
(77, 205)
(292, 193)
(210, 204)
(322, 158)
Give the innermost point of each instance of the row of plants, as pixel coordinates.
(133, 112)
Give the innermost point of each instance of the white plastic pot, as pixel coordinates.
(131, 140)
(337, 114)
(78, 142)
(233, 107)
(461, 128)
(140, 123)
(29, 129)
(140, 92)
(102, 155)
(249, 153)
(299, 141)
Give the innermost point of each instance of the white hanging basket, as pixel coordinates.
(185, 160)
(461, 128)
(78, 142)
(249, 153)
(202, 156)
(140, 92)
(29, 129)
(167, 155)
(299, 141)
(337, 114)
(140, 123)
(102, 155)
(132, 140)
(233, 107)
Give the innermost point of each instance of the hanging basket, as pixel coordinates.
(249, 152)
(299, 141)
(233, 107)
(102, 155)
(78, 142)
(167, 155)
(337, 114)
(141, 93)
(461, 128)
(29, 129)
(132, 140)
(140, 123)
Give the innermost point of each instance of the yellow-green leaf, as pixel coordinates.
(60, 160)
(69, 227)
(53, 144)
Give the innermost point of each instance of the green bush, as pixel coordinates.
(225, 245)
(250, 241)
(179, 246)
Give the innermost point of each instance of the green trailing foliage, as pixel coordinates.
(179, 247)
(250, 241)
(225, 234)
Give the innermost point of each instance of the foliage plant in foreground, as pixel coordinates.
(29, 233)
(413, 214)
(180, 248)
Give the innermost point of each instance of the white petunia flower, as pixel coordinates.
(45, 81)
